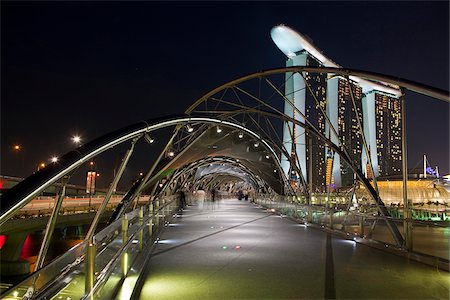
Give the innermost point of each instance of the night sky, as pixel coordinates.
(90, 68)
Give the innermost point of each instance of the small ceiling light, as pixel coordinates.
(256, 144)
(240, 135)
(189, 128)
(274, 171)
(219, 130)
(17, 147)
(171, 153)
(141, 174)
(148, 138)
(267, 156)
(54, 159)
(91, 163)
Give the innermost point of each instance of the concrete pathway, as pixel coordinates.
(237, 250)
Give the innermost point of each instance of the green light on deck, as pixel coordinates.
(224, 247)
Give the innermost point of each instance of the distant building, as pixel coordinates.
(296, 140)
(384, 134)
(343, 117)
(377, 106)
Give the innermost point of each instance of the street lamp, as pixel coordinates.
(76, 139)
(17, 147)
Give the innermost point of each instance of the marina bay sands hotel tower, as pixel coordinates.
(377, 105)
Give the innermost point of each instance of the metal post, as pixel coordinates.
(47, 236)
(156, 212)
(90, 266)
(124, 260)
(50, 226)
(141, 232)
(150, 219)
(407, 225)
(361, 225)
(111, 190)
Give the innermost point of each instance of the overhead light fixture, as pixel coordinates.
(189, 128)
(267, 156)
(219, 130)
(171, 153)
(148, 138)
(240, 135)
(256, 144)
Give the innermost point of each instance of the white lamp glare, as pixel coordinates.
(76, 139)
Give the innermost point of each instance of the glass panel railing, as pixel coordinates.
(40, 279)
(358, 216)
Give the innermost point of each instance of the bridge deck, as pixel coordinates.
(238, 250)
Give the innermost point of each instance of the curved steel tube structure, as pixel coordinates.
(32, 186)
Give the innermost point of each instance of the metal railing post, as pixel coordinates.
(156, 211)
(89, 262)
(124, 260)
(361, 226)
(150, 219)
(407, 224)
(141, 231)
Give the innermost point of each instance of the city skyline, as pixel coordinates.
(76, 73)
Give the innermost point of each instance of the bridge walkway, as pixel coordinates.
(238, 250)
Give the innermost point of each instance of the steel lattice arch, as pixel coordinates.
(231, 135)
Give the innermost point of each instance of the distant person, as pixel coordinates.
(240, 195)
(213, 195)
(182, 200)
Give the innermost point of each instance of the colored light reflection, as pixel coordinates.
(237, 247)
(2, 240)
(27, 249)
(224, 247)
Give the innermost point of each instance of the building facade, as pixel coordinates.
(345, 100)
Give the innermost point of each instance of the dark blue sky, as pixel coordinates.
(94, 67)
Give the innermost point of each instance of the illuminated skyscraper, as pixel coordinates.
(377, 106)
(343, 117)
(297, 91)
(384, 134)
